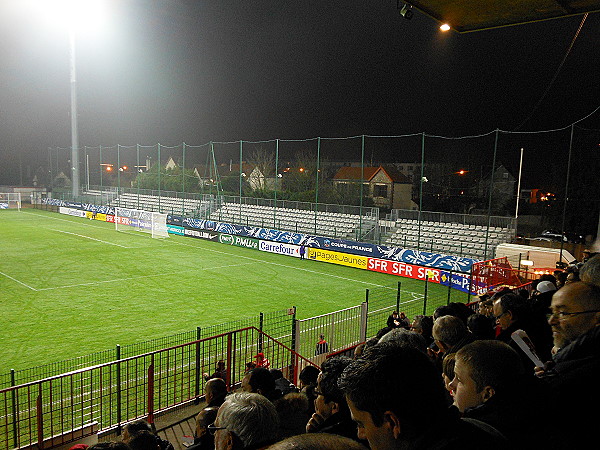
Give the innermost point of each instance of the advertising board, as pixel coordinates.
(201, 234)
(404, 270)
(238, 241)
(279, 248)
(344, 259)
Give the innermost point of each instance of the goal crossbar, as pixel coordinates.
(145, 221)
(10, 200)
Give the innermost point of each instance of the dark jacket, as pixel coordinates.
(455, 433)
(573, 380)
(540, 335)
(340, 423)
(521, 412)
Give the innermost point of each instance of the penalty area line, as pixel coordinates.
(89, 237)
(116, 280)
(17, 281)
(303, 269)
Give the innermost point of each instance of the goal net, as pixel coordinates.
(10, 200)
(147, 221)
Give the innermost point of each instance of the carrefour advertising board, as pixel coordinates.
(279, 248)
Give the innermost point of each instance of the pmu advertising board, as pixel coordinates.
(238, 241)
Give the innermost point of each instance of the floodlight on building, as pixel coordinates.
(445, 27)
(406, 11)
(526, 262)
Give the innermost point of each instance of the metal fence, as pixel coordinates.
(70, 406)
(277, 324)
(479, 174)
(64, 407)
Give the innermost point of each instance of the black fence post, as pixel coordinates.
(470, 290)
(367, 315)
(398, 296)
(15, 410)
(198, 365)
(293, 343)
(261, 322)
(425, 294)
(118, 375)
(449, 288)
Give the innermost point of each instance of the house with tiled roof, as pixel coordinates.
(387, 187)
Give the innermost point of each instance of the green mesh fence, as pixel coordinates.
(432, 180)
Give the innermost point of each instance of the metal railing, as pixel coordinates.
(70, 406)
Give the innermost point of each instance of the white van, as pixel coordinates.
(542, 257)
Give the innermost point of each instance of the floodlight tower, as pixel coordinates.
(74, 131)
(71, 15)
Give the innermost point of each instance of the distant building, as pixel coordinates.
(61, 180)
(504, 183)
(385, 185)
(250, 174)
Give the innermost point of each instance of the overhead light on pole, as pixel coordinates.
(72, 15)
(406, 11)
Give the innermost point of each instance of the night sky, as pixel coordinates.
(196, 71)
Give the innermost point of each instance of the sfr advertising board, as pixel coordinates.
(344, 259)
(279, 248)
(404, 270)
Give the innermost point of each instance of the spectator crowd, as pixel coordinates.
(458, 379)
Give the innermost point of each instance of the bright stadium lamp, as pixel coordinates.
(74, 16)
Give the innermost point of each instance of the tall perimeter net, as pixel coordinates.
(154, 223)
(10, 200)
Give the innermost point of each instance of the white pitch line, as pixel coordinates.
(17, 281)
(283, 265)
(116, 280)
(91, 238)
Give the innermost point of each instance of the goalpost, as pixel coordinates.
(145, 221)
(10, 200)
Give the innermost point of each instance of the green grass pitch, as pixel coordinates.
(70, 286)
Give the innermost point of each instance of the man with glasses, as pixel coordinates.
(245, 421)
(513, 312)
(331, 410)
(575, 370)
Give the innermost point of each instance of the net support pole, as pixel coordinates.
(487, 231)
(566, 199)
(421, 190)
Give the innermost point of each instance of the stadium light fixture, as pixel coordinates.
(445, 27)
(406, 11)
(74, 16)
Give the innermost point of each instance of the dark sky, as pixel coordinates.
(196, 71)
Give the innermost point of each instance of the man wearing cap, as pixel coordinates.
(542, 296)
(261, 361)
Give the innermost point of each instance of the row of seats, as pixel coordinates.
(473, 241)
(326, 224)
(186, 207)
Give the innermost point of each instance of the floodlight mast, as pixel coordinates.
(74, 130)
